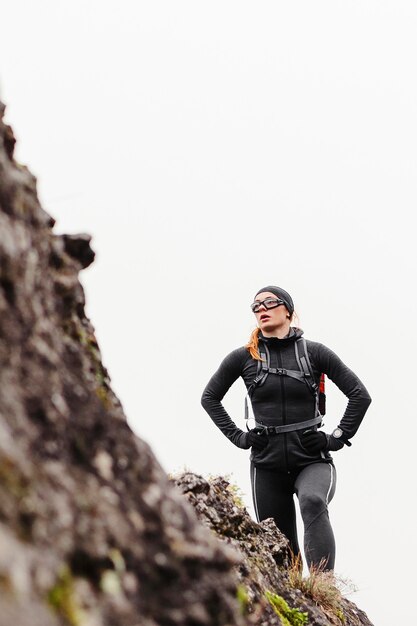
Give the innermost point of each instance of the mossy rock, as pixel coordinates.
(288, 616)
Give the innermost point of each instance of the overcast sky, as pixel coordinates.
(211, 148)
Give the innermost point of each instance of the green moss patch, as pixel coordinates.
(243, 598)
(62, 598)
(288, 616)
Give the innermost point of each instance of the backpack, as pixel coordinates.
(304, 375)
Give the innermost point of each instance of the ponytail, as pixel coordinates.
(252, 345)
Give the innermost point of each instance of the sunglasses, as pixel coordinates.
(269, 303)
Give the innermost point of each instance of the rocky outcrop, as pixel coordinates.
(92, 531)
(271, 587)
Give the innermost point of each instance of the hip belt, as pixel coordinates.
(288, 428)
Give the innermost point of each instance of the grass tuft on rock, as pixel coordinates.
(320, 585)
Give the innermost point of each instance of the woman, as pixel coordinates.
(289, 455)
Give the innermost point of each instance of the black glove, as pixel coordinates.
(334, 444)
(257, 440)
(316, 441)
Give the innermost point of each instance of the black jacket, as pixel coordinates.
(283, 400)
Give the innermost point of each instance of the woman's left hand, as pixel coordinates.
(316, 441)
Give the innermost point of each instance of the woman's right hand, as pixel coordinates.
(257, 440)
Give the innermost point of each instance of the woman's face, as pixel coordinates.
(270, 319)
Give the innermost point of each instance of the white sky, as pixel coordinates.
(214, 147)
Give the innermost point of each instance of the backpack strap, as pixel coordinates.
(303, 360)
(259, 379)
(267, 369)
(304, 363)
(288, 428)
(304, 375)
(263, 367)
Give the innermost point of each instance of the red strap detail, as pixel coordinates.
(322, 383)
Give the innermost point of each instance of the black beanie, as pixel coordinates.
(279, 293)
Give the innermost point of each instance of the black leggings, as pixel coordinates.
(314, 486)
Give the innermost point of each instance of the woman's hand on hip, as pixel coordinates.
(257, 440)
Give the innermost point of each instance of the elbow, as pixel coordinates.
(365, 402)
(205, 399)
(363, 396)
(209, 400)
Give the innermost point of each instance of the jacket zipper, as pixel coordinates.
(284, 412)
